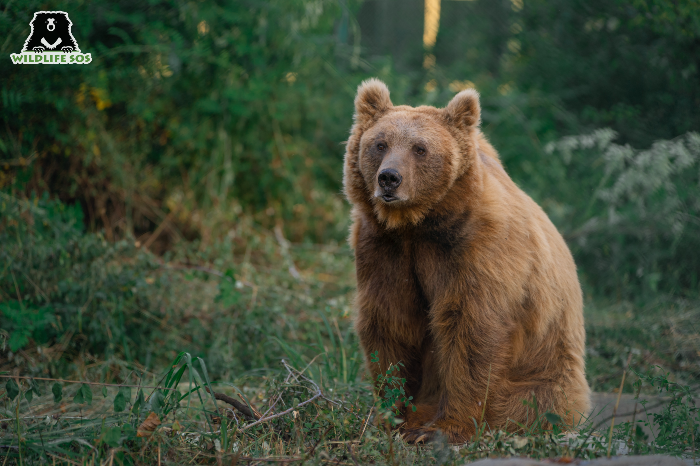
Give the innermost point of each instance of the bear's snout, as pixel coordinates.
(51, 26)
(389, 179)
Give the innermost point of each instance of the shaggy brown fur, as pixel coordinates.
(460, 275)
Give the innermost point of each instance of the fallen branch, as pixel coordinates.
(281, 414)
(292, 372)
(238, 405)
(310, 381)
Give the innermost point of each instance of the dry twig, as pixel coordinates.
(238, 405)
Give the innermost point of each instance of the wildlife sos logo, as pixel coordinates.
(51, 42)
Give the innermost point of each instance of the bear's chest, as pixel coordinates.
(438, 266)
(421, 265)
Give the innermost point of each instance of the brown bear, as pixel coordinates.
(460, 275)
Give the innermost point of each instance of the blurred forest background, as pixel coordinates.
(183, 191)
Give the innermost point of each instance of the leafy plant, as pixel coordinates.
(675, 428)
(391, 389)
(22, 323)
(637, 230)
(185, 110)
(58, 280)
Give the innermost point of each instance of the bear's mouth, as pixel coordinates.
(389, 198)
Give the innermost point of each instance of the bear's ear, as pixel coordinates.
(372, 100)
(464, 109)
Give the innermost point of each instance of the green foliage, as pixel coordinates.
(340, 359)
(22, 323)
(627, 64)
(121, 399)
(637, 227)
(58, 281)
(675, 429)
(83, 395)
(32, 391)
(12, 389)
(57, 391)
(391, 390)
(315, 433)
(112, 436)
(185, 108)
(120, 303)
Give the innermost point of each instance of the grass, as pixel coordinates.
(663, 333)
(334, 428)
(269, 323)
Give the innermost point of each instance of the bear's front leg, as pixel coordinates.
(384, 349)
(392, 314)
(470, 357)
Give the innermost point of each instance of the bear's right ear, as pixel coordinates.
(372, 101)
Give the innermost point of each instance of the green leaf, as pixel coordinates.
(87, 393)
(18, 340)
(119, 402)
(228, 294)
(12, 389)
(29, 395)
(552, 418)
(104, 391)
(34, 387)
(84, 395)
(126, 390)
(112, 436)
(57, 391)
(156, 401)
(138, 403)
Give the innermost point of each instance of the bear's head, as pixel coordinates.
(400, 160)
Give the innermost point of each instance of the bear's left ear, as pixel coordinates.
(464, 109)
(372, 101)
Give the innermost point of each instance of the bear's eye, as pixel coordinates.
(381, 147)
(420, 150)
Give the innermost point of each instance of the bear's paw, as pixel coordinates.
(67, 49)
(38, 49)
(456, 433)
(420, 435)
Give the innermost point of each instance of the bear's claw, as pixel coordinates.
(418, 435)
(67, 49)
(454, 434)
(38, 49)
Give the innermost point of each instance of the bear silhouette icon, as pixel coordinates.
(51, 31)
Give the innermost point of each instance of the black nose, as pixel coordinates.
(389, 179)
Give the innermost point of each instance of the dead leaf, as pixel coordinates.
(520, 442)
(148, 426)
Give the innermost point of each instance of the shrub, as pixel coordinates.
(185, 108)
(68, 291)
(632, 216)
